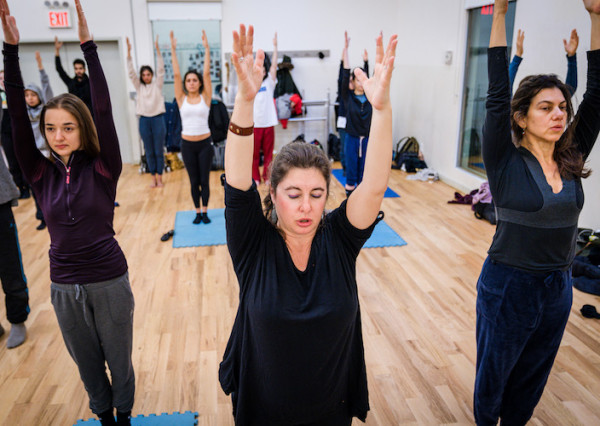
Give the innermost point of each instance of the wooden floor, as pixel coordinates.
(418, 309)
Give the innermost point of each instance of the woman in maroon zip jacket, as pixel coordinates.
(76, 190)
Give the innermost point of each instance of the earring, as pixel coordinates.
(274, 215)
(524, 131)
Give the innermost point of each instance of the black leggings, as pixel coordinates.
(197, 157)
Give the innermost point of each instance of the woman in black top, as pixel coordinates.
(524, 292)
(295, 355)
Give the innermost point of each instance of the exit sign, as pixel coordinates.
(59, 19)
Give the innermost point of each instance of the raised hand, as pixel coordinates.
(377, 88)
(346, 40)
(173, 40)
(365, 56)
(82, 26)
(205, 41)
(275, 41)
(249, 70)
(38, 59)
(571, 46)
(128, 47)
(501, 7)
(520, 40)
(156, 44)
(57, 44)
(592, 6)
(9, 24)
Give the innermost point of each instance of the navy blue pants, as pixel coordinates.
(154, 132)
(355, 152)
(521, 318)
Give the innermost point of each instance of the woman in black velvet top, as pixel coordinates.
(534, 150)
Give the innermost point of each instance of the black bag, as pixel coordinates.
(333, 147)
(218, 161)
(218, 121)
(485, 211)
(407, 154)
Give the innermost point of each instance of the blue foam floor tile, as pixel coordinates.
(188, 234)
(339, 175)
(384, 236)
(176, 419)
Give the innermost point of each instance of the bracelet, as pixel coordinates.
(240, 131)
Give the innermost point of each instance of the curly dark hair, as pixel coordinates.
(569, 159)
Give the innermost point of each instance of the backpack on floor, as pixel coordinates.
(333, 147)
(483, 204)
(408, 154)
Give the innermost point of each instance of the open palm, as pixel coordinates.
(9, 24)
(248, 68)
(377, 88)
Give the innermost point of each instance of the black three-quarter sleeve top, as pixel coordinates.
(295, 353)
(536, 229)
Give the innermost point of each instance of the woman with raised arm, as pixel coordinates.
(76, 190)
(150, 107)
(295, 355)
(193, 98)
(524, 292)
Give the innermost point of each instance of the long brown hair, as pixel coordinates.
(87, 129)
(569, 159)
(295, 155)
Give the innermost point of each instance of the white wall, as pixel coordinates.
(109, 21)
(426, 93)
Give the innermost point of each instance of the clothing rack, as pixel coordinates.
(326, 117)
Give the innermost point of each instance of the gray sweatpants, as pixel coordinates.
(96, 321)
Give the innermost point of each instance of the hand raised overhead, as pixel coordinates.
(377, 88)
(82, 26)
(249, 70)
(520, 40)
(205, 40)
(500, 7)
(571, 45)
(9, 24)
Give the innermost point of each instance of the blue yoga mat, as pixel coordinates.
(339, 175)
(384, 236)
(188, 234)
(180, 419)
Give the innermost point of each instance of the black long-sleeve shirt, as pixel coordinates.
(536, 228)
(79, 88)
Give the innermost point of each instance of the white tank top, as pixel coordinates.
(194, 118)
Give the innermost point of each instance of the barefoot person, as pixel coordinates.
(150, 107)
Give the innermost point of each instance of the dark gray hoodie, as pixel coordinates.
(34, 113)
